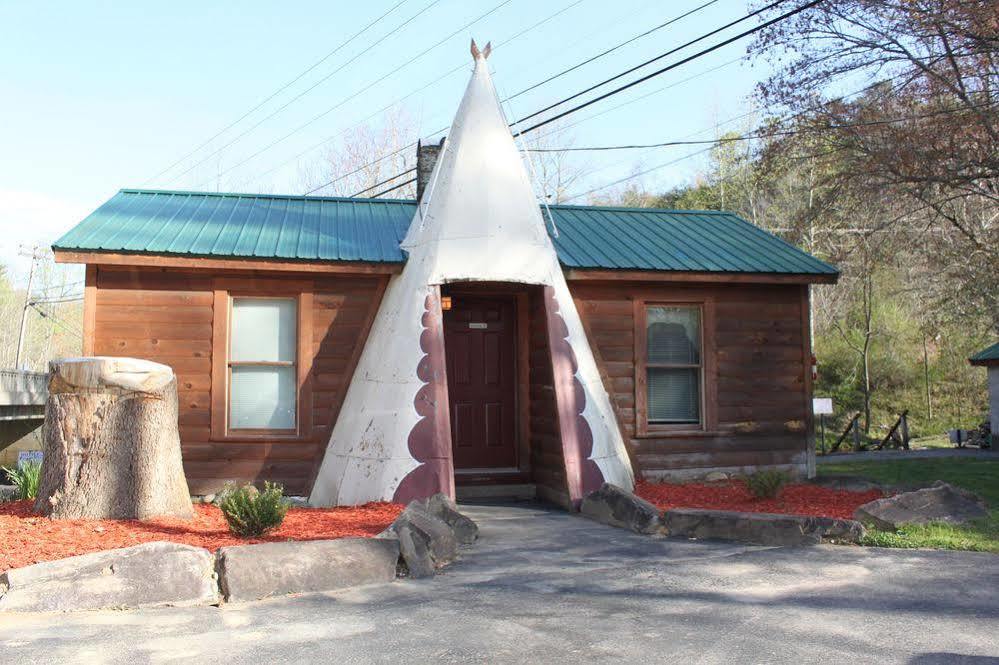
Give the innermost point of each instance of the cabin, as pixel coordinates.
(373, 349)
(989, 359)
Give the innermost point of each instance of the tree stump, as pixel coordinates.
(112, 449)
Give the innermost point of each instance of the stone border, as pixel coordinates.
(620, 508)
(424, 538)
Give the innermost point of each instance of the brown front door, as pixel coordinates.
(479, 342)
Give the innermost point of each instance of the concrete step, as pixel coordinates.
(523, 491)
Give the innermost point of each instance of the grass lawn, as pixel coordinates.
(979, 476)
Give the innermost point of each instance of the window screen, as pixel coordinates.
(673, 364)
(262, 358)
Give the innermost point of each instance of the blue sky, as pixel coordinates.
(104, 95)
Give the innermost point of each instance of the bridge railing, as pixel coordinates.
(21, 388)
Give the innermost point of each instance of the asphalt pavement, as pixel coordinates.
(542, 586)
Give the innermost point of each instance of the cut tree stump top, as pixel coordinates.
(69, 374)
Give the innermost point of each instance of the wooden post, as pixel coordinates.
(852, 427)
(822, 431)
(895, 428)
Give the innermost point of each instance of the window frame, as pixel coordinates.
(226, 289)
(707, 424)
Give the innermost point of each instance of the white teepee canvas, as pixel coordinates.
(479, 222)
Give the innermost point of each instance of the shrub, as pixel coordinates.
(25, 477)
(766, 484)
(251, 512)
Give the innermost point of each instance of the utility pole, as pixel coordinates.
(27, 305)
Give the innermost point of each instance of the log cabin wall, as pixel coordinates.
(547, 459)
(757, 394)
(168, 316)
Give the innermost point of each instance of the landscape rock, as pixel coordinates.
(415, 552)
(148, 575)
(836, 530)
(716, 477)
(437, 537)
(252, 572)
(760, 528)
(7, 493)
(618, 507)
(939, 503)
(444, 508)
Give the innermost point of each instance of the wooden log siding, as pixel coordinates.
(761, 372)
(167, 316)
(547, 461)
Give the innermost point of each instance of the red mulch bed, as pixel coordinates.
(26, 538)
(794, 499)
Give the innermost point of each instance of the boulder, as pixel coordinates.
(424, 539)
(939, 503)
(618, 507)
(444, 508)
(716, 477)
(252, 572)
(836, 530)
(8, 493)
(759, 528)
(148, 575)
(415, 552)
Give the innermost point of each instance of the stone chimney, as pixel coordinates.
(426, 157)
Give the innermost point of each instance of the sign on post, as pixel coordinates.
(822, 406)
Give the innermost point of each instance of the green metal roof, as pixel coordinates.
(989, 356)
(317, 228)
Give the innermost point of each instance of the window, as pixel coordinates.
(673, 365)
(263, 375)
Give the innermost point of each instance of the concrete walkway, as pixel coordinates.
(895, 455)
(546, 587)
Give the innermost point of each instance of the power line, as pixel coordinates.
(362, 90)
(61, 299)
(392, 189)
(647, 95)
(640, 173)
(663, 70)
(765, 135)
(549, 79)
(56, 320)
(661, 56)
(707, 149)
(307, 90)
(405, 97)
(279, 90)
(362, 167)
(647, 77)
(54, 287)
(612, 49)
(595, 115)
(752, 112)
(387, 180)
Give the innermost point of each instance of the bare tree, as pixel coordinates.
(556, 170)
(364, 161)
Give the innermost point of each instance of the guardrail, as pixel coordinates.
(22, 388)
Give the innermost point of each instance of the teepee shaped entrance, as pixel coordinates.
(479, 223)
